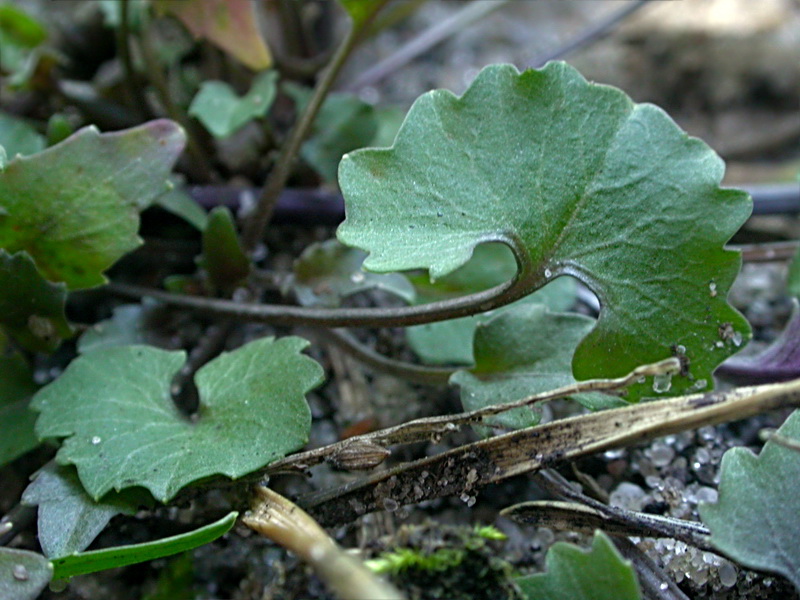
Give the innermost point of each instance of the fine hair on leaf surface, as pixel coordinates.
(577, 180)
(122, 429)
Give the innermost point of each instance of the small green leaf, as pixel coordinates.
(389, 119)
(23, 574)
(222, 112)
(59, 128)
(120, 556)
(450, 342)
(327, 272)
(31, 309)
(181, 204)
(122, 429)
(17, 137)
(18, 27)
(576, 574)
(522, 351)
(230, 24)
(223, 258)
(361, 10)
(344, 123)
(68, 519)
(74, 207)
(630, 205)
(755, 521)
(127, 326)
(19, 34)
(16, 420)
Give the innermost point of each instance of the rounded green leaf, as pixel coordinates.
(23, 574)
(756, 520)
(223, 112)
(581, 181)
(576, 574)
(75, 206)
(121, 428)
(521, 351)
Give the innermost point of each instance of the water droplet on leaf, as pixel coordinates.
(20, 573)
(662, 383)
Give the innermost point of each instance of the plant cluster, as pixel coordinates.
(477, 216)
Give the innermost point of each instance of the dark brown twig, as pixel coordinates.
(378, 362)
(337, 317)
(257, 221)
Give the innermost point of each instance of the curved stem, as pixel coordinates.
(367, 356)
(338, 317)
(257, 221)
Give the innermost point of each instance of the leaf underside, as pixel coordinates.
(580, 181)
(121, 428)
(755, 521)
(68, 520)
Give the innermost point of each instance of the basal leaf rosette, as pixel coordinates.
(578, 180)
(121, 428)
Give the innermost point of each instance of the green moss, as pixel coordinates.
(433, 561)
